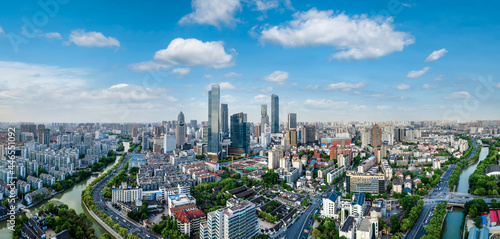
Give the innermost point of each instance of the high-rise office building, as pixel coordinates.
(240, 132)
(376, 136)
(292, 121)
(373, 183)
(264, 118)
(194, 124)
(180, 130)
(309, 134)
(275, 114)
(213, 119)
(237, 221)
(224, 116)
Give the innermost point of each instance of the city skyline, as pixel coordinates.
(125, 67)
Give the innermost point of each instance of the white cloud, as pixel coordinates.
(383, 107)
(415, 74)
(52, 35)
(356, 37)
(264, 5)
(229, 99)
(435, 55)
(149, 66)
(343, 86)
(278, 77)
(261, 99)
(403, 87)
(92, 39)
(428, 86)
(223, 86)
(377, 95)
(498, 86)
(214, 12)
(231, 75)
(193, 52)
(181, 71)
(458, 95)
(438, 78)
(208, 77)
(356, 93)
(1, 31)
(30, 88)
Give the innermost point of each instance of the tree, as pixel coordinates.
(269, 209)
(473, 211)
(477, 221)
(106, 236)
(394, 223)
(315, 233)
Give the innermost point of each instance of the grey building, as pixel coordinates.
(264, 119)
(224, 117)
(180, 130)
(240, 132)
(292, 121)
(275, 114)
(213, 119)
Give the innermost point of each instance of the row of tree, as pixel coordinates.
(436, 223)
(455, 176)
(88, 200)
(479, 183)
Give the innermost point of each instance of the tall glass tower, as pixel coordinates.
(224, 115)
(275, 114)
(240, 132)
(264, 119)
(213, 119)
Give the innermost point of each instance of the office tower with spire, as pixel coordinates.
(240, 132)
(213, 119)
(275, 114)
(180, 130)
(264, 118)
(224, 117)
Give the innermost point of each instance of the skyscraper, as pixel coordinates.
(240, 132)
(224, 115)
(275, 114)
(376, 136)
(292, 121)
(180, 130)
(213, 119)
(264, 119)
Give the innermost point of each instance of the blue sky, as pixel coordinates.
(89, 61)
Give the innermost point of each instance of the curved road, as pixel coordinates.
(118, 217)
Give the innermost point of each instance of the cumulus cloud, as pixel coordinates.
(278, 77)
(403, 87)
(458, 95)
(343, 86)
(264, 5)
(92, 39)
(312, 87)
(193, 52)
(214, 12)
(435, 55)
(355, 37)
(419, 73)
(181, 71)
(149, 66)
(261, 99)
(222, 85)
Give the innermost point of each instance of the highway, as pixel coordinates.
(118, 217)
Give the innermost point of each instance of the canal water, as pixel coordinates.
(71, 197)
(454, 219)
(463, 182)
